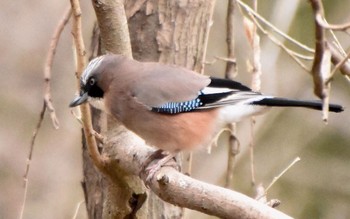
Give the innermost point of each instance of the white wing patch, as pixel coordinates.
(216, 90)
(236, 98)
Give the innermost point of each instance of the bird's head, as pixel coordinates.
(90, 87)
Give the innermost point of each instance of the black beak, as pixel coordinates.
(79, 100)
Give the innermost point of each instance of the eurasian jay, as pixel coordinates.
(170, 107)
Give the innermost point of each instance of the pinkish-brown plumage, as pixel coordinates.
(170, 107)
(134, 93)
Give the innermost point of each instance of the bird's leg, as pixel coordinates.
(151, 170)
(155, 167)
(157, 155)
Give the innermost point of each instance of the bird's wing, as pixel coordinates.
(161, 84)
(173, 91)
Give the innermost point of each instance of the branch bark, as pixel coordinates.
(184, 191)
(320, 48)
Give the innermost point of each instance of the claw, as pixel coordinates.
(151, 170)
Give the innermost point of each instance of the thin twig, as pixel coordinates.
(77, 117)
(276, 178)
(47, 103)
(322, 21)
(231, 66)
(80, 65)
(251, 150)
(48, 65)
(230, 73)
(325, 72)
(337, 53)
(294, 55)
(233, 148)
(206, 35)
(216, 138)
(255, 68)
(267, 23)
(229, 60)
(337, 67)
(337, 56)
(77, 209)
(29, 159)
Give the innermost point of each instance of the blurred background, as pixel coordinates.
(316, 187)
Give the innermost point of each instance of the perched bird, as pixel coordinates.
(170, 107)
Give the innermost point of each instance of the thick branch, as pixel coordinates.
(112, 21)
(184, 191)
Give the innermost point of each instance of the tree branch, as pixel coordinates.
(230, 73)
(322, 21)
(47, 103)
(321, 67)
(337, 57)
(320, 48)
(48, 65)
(263, 20)
(111, 19)
(174, 187)
(179, 189)
(80, 65)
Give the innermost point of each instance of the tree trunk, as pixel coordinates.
(172, 32)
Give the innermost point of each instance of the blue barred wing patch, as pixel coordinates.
(178, 107)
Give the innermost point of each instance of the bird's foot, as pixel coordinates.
(151, 170)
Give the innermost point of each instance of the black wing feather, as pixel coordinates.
(225, 83)
(203, 99)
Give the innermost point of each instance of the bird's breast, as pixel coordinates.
(183, 131)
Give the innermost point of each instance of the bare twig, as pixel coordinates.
(232, 61)
(262, 19)
(47, 103)
(80, 65)
(338, 66)
(48, 65)
(231, 66)
(233, 151)
(255, 68)
(77, 117)
(337, 56)
(322, 21)
(251, 150)
(320, 48)
(214, 142)
(276, 178)
(325, 72)
(231, 73)
(206, 35)
(262, 192)
(77, 209)
(294, 55)
(322, 62)
(29, 159)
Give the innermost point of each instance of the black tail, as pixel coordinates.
(282, 102)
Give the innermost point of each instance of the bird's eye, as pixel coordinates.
(92, 81)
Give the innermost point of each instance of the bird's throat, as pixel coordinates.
(98, 103)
